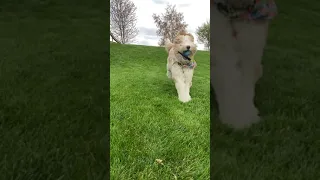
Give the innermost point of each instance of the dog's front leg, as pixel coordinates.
(252, 39)
(188, 74)
(180, 83)
(181, 90)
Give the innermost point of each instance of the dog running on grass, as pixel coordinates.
(181, 63)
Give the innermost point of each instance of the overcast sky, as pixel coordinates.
(195, 14)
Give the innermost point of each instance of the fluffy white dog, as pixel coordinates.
(181, 63)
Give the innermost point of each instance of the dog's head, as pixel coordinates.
(185, 42)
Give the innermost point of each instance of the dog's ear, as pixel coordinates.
(168, 45)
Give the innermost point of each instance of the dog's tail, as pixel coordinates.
(168, 45)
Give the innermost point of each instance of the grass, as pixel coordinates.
(53, 102)
(148, 122)
(286, 144)
(53, 93)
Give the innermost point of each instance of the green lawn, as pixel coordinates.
(148, 122)
(53, 91)
(286, 145)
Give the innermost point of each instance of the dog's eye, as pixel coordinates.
(177, 41)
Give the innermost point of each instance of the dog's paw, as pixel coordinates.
(185, 99)
(240, 121)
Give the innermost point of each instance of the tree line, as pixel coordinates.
(123, 22)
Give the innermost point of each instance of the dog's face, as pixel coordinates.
(185, 41)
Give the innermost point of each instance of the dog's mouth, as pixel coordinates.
(185, 54)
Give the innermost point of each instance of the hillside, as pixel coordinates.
(148, 122)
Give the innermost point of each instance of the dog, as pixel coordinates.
(239, 32)
(181, 63)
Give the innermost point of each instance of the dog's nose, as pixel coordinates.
(188, 47)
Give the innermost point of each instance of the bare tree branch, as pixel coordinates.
(123, 20)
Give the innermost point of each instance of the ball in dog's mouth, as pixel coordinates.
(186, 53)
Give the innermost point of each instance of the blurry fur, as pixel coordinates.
(236, 67)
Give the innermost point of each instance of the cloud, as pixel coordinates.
(147, 31)
(151, 37)
(191, 31)
(148, 34)
(184, 5)
(160, 1)
(141, 40)
(179, 4)
(145, 42)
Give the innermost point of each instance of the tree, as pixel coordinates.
(169, 24)
(123, 20)
(203, 34)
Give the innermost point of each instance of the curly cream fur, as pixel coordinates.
(182, 76)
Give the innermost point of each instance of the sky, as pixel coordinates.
(195, 14)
